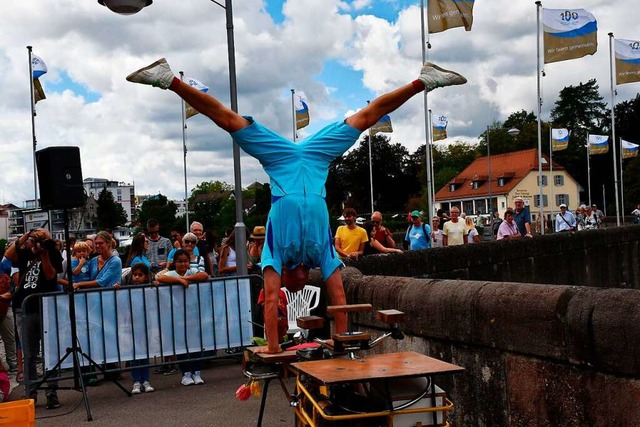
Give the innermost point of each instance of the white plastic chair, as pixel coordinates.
(300, 304)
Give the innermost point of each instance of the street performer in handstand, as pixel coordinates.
(298, 236)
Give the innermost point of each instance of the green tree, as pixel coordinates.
(627, 119)
(110, 214)
(392, 181)
(582, 111)
(206, 209)
(160, 208)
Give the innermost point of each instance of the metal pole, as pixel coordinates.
(293, 112)
(425, 30)
(613, 131)
(489, 173)
(240, 228)
(184, 154)
(370, 170)
(552, 184)
(539, 102)
(33, 129)
(621, 185)
(589, 169)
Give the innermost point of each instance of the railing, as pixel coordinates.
(145, 323)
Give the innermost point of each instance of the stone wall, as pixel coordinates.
(598, 258)
(534, 355)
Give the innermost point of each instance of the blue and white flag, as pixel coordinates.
(382, 125)
(439, 128)
(629, 149)
(568, 34)
(627, 61)
(189, 111)
(598, 144)
(302, 110)
(559, 139)
(38, 66)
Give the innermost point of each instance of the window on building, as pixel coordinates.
(475, 185)
(452, 187)
(501, 182)
(544, 180)
(536, 200)
(562, 198)
(558, 180)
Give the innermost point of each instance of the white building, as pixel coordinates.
(123, 193)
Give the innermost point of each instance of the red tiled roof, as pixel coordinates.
(516, 166)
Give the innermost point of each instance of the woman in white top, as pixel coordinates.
(227, 266)
(472, 235)
(436, 233)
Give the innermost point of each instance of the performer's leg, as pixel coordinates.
(335, 289)
(431, 77)
(159, 74)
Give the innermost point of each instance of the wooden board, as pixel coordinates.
(380, 366)
(287, 356)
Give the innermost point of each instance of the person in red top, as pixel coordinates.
(380, 232)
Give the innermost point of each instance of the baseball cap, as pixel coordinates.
(416, 213)
(563, 205)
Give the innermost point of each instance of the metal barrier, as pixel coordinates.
(145, 323)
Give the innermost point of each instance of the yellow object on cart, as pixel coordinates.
(19, 413)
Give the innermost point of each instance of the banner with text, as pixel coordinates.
(559, 139)
(568, 34)
(627, 61)
(446, 14)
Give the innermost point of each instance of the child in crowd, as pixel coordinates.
(140, 375)
(80, 262)
(5, 384)
(182, 273)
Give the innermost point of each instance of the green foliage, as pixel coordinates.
(110, 214)
(160, 208)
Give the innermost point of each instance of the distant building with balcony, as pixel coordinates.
(123, 193)
(512, 175)
(5, 212)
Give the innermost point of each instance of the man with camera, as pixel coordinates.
(39, 263)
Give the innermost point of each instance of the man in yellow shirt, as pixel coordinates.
(350, 238)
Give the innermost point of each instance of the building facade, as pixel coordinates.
(123, 193)
(506, 177)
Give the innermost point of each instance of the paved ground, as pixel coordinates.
(211, 404)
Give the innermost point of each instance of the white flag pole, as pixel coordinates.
(370, 170)
(293, 112)
(621, 184)
(33, 129)
(184, 155)
(431, 168)
(613, 128)
(552, 202)
(589, 169)
(425, 30)
(539, 102)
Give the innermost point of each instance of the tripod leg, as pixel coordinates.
(78, 375)
(94, 364)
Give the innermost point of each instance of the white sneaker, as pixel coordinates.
(187, 379)
(197, 379)
(136, 388)
(434, 77)
(146, 387)
(157, 74)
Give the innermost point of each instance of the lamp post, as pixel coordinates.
(513, 132)
(129, 7)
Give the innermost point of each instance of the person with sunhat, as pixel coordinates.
(256, 245)
(565, 221)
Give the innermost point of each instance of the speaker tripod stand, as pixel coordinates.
(75, 351)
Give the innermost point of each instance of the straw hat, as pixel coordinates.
(259, 232)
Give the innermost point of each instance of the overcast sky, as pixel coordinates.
(339, 53)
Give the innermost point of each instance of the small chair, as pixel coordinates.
(300, 304)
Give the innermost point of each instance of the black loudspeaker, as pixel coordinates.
(60, 178)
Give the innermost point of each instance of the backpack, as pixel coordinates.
(406, 242)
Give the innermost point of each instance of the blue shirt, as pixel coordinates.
(110, 274)
(84, 275)
(521, 218)
(416, 237)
